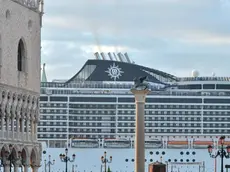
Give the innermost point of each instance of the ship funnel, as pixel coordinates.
(103, 56)
(120, 57)
(115, 56)
(127, 58)
(110, 56)
(97, 56)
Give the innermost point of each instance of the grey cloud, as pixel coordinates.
(157, 34)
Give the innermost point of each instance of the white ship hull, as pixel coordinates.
(89, 160)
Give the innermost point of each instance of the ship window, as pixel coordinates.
(208, 86)
(223, 86)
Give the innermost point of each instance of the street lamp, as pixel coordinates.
(66, 159)
(104, 160)
(49, 163)
(221, 152)
(10, 156)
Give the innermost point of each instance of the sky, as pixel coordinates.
(175, 36)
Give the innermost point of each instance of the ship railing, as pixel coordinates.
(127, 92)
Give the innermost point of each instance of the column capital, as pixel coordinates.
(140, 95)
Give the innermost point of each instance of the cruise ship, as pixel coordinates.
(94, 112)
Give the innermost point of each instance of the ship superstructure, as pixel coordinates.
(94, 111)
(97, 104)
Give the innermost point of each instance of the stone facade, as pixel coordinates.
(20, 45)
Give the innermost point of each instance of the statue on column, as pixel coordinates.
(141, 83)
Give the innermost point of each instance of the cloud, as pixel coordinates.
(172, 35)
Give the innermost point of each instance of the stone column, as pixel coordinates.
(2, 125)
(140, 96)
(17, 128)
(6, 168)
(27, 129)
(26, 168)
(35, 129)
(32, 130)
(7, 126)
(12, 127)
(22, 128)
(35, 168)
(16, 167)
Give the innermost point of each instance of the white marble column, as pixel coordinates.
(26, 168)
(7, 126)
(35, 127)
(22, 128)
(27, 129)
(12, 127)
(2, 125)
(140, 96)
(17, 128)
(6, 168)
(35, 169)
(16, 167)
(32, 130)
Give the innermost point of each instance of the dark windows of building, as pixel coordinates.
(21, 56)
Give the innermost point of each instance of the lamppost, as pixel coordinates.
(105, 160)
(221, 152)
(10, 156)
(49, 163)
(66, 159)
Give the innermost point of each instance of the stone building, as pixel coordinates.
(20, 46)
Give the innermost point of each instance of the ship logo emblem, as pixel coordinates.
(114, 72)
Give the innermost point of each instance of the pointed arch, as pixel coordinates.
(21, 55)
(33, 156)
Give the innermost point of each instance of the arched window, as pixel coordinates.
(21, 56)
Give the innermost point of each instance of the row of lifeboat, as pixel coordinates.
(194, 144)
(125, 143)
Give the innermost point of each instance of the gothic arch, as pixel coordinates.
(21, 55)
(25, 156)
(4, 148)
(34, 157)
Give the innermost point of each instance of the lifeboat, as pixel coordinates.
(117, 143)
(226, 143)
(151, 144)
(84, 143)
(198, 144)
(178, 144)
